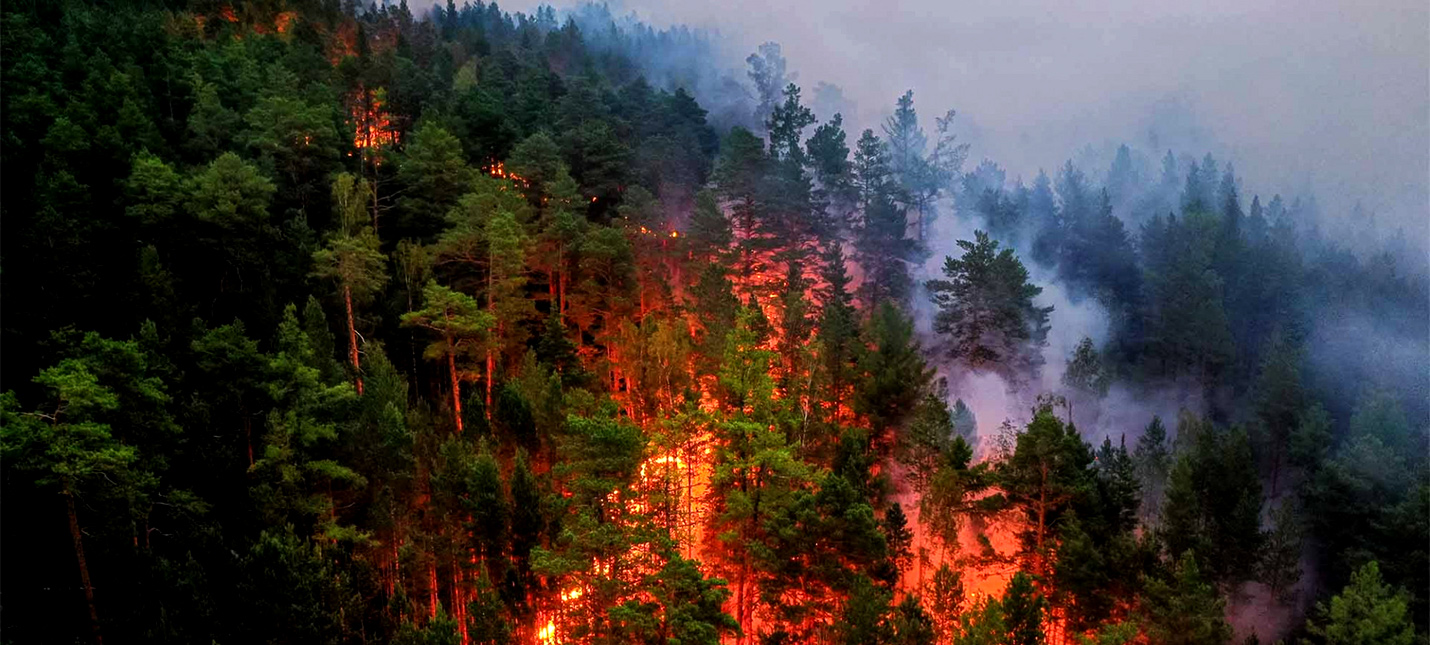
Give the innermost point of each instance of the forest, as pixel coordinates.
(451, 325)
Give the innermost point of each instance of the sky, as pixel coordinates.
(1331, 97)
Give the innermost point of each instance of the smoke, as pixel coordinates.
(1331, 98)
(1352, 352)
(1071, 321)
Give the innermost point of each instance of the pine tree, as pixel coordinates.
(898, 535)
(1279, 402)
(1024, 611)
(895, 375)
(298, 478)
(1213, 504)
(691, 605)
(461, 326)
(560, 229)
(1153, 460)
(767, 70)
(485, 246)
(434, 175)
(1085, 372)
(1185, 609)
(1122, 176)
(740, 179)
(881, 242)
(945, 595)
(353, 259)
(986, 308)
(1366, 611)
(1046, 473)
(1281, 562)
(1045, 220)
(917, 181)
(837, 334)
(69, 444)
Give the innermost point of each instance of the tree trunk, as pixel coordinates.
(374, 196)
(456, 386)
(1042, 521)
(248, 436)
(491, 307)
(561, 295)
(83, 567)
(432, 593)
(459, 609)
(491, 364)
(561, 283)
(551, 287)
(1275, 469)
(352, 337)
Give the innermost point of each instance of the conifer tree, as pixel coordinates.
(353, 259)
(986, 308)
(461, 325)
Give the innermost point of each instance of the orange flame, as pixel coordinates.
(372, 126)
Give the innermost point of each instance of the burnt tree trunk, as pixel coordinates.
(83, 567)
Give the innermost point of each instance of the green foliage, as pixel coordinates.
(986, 308)
(745, 370)
(1085, 373)
(895, 375)
(563, 237)
(944, 593)
(1015, 619)
(440, 630)
(1024, 611)
(1047, 473)
(881, 243)
(1153, 461)
(297, 472)
(1185, 608)
(69, 452)
(1281, 563)
(434, 175)
(1123, 633)
(457, 319)
(691, 604)
(1366, 611)
(1214, 501)
(982, 625)
(1187, 328)
(288, 591)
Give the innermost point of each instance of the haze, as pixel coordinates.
(1330, 98)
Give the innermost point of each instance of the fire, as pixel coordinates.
(499, 171)
(646, 231)
(284, 20)
(372, 125)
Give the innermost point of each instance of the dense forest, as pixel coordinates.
(332, 323)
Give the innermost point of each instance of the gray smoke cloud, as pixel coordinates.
(1330, 98)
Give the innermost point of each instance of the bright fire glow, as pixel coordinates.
(499, 171)
(372, 126)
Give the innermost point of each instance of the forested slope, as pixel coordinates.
(327, 323)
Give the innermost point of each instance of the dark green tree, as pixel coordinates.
(986, 310)
(1184, 609)
(1366, 611)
